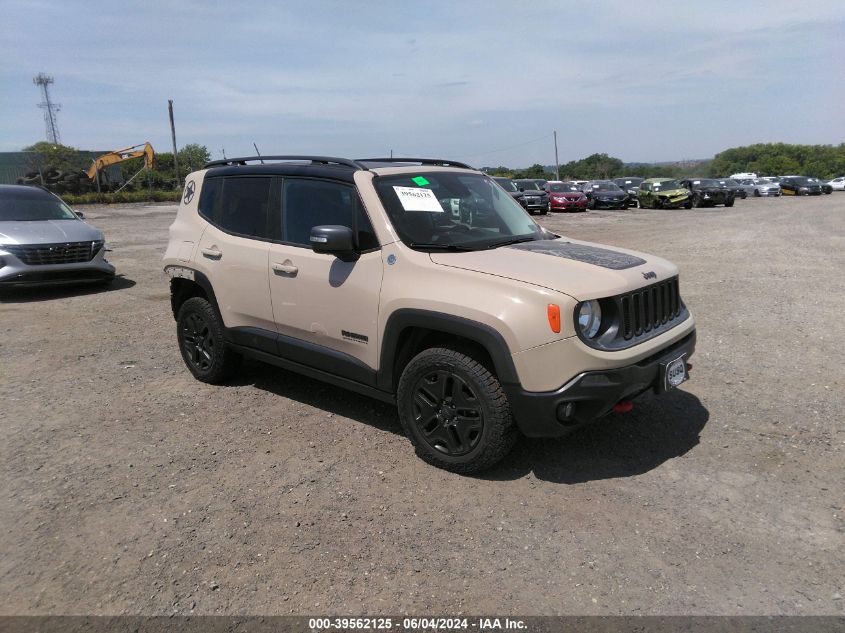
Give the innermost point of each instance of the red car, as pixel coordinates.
(565, 196)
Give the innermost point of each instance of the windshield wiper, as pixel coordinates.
(513, 240)
(441, 247)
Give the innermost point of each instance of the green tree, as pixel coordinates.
(47, 156)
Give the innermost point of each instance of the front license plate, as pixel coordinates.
(676, 372)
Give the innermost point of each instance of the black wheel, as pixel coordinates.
(696, 201)
(454, 411)
(729, 203)
(688, 204)
(201, 341)
(756, 193)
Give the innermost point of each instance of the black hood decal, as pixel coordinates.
(582, 253)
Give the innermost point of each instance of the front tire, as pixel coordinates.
(454, 411)
(202, 343)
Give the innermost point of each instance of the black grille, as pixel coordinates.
(648, 308)
(65, 253)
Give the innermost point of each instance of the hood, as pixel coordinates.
(672, 193)
(533, 192)
(47, 232)
(568, 194)
(582, 270)
(609, 194)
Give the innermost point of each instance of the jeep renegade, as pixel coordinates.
(420, 282)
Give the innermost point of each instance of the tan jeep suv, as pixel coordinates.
(420, 282)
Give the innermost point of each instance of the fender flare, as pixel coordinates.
(480, 333)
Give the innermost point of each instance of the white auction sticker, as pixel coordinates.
(414, 199)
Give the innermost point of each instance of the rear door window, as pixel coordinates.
(244, 206)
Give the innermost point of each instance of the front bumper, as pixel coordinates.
(536, 204)
(673, 203)
(13, 272)
(610, 204)
(592, 394)
(565, 205)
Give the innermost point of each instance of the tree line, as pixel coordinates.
(769, 159)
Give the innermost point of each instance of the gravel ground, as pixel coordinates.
(127, 487)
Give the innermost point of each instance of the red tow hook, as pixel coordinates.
(689, 367)
(626, 406)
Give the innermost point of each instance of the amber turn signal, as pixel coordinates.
(553, 312)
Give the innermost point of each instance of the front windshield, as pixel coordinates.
(454, 211)
(729, 182)
(528, 185)
(803, 181)
(507, 184)
(706, 182)
(32, 206)
(563, 187)
(667, 185)
(603, 186)
(628, 182)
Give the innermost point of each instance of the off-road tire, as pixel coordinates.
(498, 432)
(202, 343)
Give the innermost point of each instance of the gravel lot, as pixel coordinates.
(128, 487)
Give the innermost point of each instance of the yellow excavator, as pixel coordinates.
(120, 155)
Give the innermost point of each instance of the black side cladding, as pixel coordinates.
(582, 253)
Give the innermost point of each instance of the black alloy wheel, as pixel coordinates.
(447, 413)
(454, 411)
(199, 332)
(197, 342)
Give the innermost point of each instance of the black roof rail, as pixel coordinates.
(315, 160)
(439, 162)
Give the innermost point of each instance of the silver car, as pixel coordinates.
(43, 241)
(760, 187)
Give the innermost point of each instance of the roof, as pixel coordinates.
(323, 166)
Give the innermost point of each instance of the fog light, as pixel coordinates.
(565, 411)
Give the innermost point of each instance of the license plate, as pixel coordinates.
(676, 372)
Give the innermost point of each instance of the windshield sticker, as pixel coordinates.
(422, 182)
(418, 199)
(696, 182)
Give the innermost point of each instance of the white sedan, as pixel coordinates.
(838, 184)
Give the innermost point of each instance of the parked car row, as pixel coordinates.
(542, 196)
(791, 185)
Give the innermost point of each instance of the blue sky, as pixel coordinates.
(484, 82)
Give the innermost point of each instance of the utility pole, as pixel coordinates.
(173, 136)
(557, 163)
(43, 81)
(391, 154)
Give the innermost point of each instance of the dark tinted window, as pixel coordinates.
(209, 196)
(310, 203)
(244, 206)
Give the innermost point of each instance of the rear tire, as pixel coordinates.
(202, 342)
(454, 411)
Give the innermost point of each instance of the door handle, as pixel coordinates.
(286, 268)
(212, 253)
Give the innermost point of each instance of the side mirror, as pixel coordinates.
(334, 240)
(80, 215)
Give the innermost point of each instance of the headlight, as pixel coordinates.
(589, 318)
